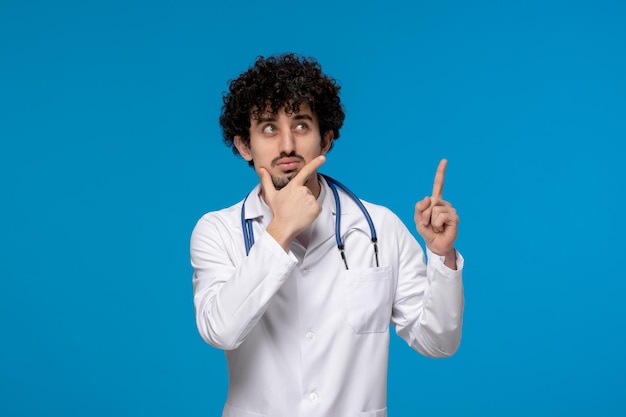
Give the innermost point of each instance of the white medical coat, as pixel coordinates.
(303, 336)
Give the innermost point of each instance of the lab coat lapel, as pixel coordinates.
(256, 208)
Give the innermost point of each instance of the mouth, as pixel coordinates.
(288, 164)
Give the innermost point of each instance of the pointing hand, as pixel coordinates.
(436, 220)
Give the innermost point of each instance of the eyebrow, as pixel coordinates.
(303, 116)
(300, 116)
(260, 120)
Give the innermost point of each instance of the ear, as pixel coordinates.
(327, 140)
(243, 149)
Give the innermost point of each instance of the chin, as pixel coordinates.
(281, 181)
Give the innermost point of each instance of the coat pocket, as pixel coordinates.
(376, 413)
(230, 411)
(369, 294)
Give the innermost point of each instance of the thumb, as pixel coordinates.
(267, 184)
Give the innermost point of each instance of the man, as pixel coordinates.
(305, 326)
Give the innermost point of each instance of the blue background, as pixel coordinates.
(111, 151)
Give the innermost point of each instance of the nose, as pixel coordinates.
(287, 142)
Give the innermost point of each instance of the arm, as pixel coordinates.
(232, 291)
(429, 311)
(428, 306)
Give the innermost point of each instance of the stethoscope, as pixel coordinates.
(248, 233)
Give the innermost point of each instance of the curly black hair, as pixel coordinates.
(276, 82)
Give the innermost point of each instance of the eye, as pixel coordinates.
(301, 127)
(269, 129)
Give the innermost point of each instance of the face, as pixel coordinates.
(283, 143)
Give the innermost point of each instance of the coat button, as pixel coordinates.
(314, 397)
(310, 336)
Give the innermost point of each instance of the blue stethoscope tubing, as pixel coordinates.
(248, 233)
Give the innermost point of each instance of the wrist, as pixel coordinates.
(280, 235)
(450, 259)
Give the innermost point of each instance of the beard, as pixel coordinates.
(281, 182)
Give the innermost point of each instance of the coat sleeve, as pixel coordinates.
(232, 290)
(428, 305)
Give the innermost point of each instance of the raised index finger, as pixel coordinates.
(308, 169)
(438, 184)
